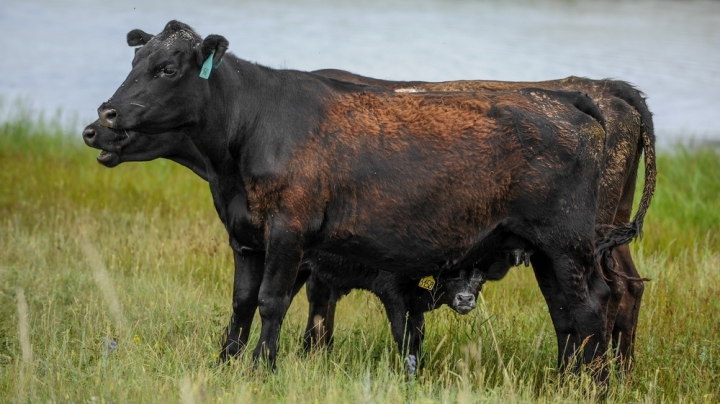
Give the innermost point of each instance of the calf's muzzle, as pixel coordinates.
(464, 302)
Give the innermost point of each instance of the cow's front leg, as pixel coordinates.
(282, 259)
(246, 285)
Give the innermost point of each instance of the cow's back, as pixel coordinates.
(411, 178)
(621, 108)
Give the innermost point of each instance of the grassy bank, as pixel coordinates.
(136, 254)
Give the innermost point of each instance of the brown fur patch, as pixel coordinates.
(624, 130)
(445, 168)
(624, 134)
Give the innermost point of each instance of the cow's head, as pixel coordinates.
(122, 146)
(164, 89)
(460, 290)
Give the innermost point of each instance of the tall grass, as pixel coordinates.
(115, 287)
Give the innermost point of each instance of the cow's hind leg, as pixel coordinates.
(586, 294)
(625, 327)
(618, 294)
(248, 275)
(557, 305)
(577, 297)
(625, 324)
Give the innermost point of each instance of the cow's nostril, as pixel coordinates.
(465, 298)
(107, 117)
(89, 135)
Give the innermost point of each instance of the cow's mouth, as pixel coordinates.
(463, 309)
(108, 158)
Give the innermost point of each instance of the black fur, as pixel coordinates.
(138, 37)
(294, 169)
(328, 277)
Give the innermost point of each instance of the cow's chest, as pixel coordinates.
(232, 207)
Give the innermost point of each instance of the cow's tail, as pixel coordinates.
(613, 236)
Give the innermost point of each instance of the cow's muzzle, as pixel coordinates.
(464, 302)
(89, 135)
(107, 157)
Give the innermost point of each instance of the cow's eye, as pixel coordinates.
(165, 70)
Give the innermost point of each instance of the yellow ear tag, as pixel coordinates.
(427, 282)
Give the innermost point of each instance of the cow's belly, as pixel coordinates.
(398, 250)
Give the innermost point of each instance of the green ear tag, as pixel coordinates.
(427, 282)
(207, 66)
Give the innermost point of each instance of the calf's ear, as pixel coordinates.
(216, 43)
(138, 37)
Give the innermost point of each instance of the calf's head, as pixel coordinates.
(460, 290)
(164, 89)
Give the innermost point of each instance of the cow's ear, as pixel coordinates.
(138, 37)
(216, 43)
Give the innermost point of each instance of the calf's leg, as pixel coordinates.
(318, 332)
(406, 325)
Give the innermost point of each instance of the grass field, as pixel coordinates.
(137, 255)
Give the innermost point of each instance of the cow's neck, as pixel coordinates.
(186, 154)
(227, 186)
(194, 165)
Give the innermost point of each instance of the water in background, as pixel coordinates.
(71, 55)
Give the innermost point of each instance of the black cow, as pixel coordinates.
(328, 277)
(410, 183)
(630, 132)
